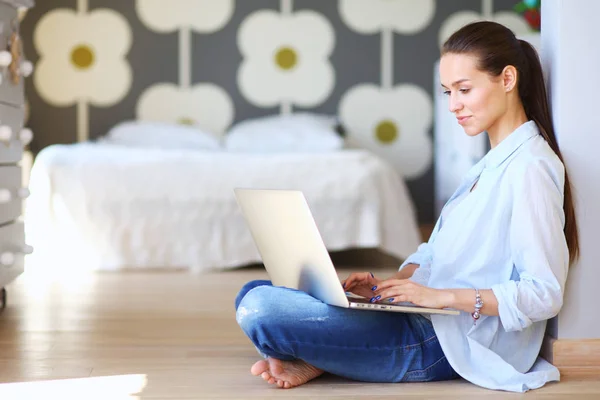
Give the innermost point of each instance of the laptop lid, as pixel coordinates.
(289, 243)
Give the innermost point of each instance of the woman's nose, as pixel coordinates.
(454, 104)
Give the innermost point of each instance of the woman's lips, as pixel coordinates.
(462, 120)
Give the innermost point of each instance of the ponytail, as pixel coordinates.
(532, 90)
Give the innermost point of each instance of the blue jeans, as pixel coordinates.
(368, 346)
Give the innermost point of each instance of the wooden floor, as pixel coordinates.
(160, 335)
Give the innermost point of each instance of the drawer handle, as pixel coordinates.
(5, 58)
(23, 193)
(26, 136)
(5, 134)
(26, 68)
(5, 196)
(7, 258)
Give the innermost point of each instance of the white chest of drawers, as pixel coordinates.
(13, 139)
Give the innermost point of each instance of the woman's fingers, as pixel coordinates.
(388, 283)
(350, 281)
(395, 289)
(356, 278)
(392, 295)
(400, 298)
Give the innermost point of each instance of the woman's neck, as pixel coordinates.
(506, 125)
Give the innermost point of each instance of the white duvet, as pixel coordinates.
(105, 207)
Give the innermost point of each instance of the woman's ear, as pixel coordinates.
(509, 78)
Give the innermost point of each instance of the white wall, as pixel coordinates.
(571, 58)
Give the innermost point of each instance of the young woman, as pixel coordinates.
(499, 252)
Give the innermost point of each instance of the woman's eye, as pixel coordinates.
(447, 92)
(464, 90)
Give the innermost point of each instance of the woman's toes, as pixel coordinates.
(259, 367)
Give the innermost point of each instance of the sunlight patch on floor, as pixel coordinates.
(119, 387)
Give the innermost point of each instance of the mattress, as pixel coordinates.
(106, 207)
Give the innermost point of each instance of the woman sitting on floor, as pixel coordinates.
(499, 252)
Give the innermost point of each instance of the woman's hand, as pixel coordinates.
(400, 290)
(361, 283)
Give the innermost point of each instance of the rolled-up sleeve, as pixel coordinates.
(421, 257)
(538, 248)
(424, 254)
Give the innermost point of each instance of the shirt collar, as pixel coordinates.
(510, 144)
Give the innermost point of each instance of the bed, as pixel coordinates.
(102, 206)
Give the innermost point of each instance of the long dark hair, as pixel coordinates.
(496, 46)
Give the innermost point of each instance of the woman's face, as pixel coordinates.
(474, 97)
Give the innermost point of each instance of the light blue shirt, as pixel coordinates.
(505, 235)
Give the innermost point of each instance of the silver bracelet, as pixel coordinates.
(478, 305)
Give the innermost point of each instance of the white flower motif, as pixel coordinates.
(391, 123)
(205, 106)
(459, 19)
(82, 57)
(286, 58)
(201, 15)
(371, 16)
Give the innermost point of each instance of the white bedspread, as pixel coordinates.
(105, 207)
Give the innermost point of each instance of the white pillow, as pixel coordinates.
(302, 132)
(161, 135)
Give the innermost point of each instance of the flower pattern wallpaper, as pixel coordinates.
(212, 63)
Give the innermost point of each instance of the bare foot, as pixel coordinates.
(286, 374)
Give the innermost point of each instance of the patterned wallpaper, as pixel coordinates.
(212, 63)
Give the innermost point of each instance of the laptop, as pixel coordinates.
(294, 254)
